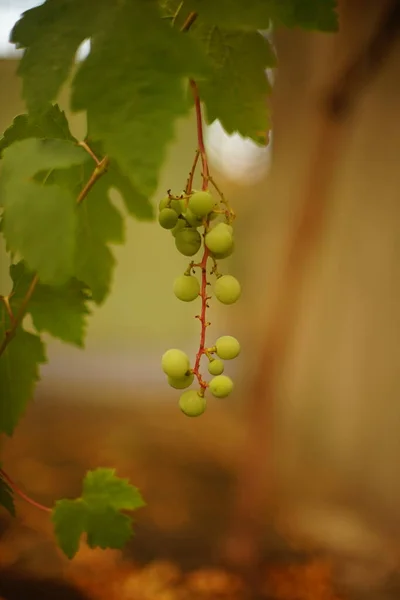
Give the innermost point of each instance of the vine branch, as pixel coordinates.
(200, 137)
(200, 153)
(22, 494)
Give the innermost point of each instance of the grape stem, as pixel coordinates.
(189, 184)
(200, 137)
(201, 153)
(22, 494)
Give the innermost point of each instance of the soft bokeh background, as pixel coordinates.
(336, 413)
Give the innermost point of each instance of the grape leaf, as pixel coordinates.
(52, 34)
(320, 15)
(97, 513)
(136, 204)
(19, 372)
(237, 92)
(98, 223)
(59, 310)
(259, 14)
(52, 123)
(233, 14)
(40, 220)
(133, 87)
(6, 496)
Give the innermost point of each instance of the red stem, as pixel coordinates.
(202, 317)
(203, 264)
(205, 174)
(21, 494)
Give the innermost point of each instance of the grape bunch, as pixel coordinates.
(197, 221)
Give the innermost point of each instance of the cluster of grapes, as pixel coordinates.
(184, 215)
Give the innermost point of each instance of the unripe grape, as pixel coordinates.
(188, 241)
(221, 386)
(164, 203)
(201, 203)
(186, 288)
(227, 347)
(181, 224)
(227, 227)
(178, 205)
(222, 255)
(180, 383)
(192, 219)
(167, 218)
(219, 239)
(227, 289)
(216, 367)
(192, 404)
(175, 363)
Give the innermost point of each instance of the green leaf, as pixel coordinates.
(6, 496)
(260, 14)
(237, 92)
(137, 205)
(97, 513)
(50, 124)
(98, 224)
(19, 372)
(52, 34)
(59, 310)
(69, 518)
(40, 220)
(134, 88)
(320, 15)
(233, 14)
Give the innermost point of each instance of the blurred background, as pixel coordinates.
(299, 480)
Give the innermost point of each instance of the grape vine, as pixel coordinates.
(56, 215)
(184, 214)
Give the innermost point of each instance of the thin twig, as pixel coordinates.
(85, 146)
(200, 137)
(6, 302)
(97, 173)
(22, 494)
(20, 315)
(189, 21)
(189, 184)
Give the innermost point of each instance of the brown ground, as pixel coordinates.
(184, 469)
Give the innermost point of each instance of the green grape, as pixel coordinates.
(192, 404)
(221, 386)
(192, 219)
(227, 347)
(181, 224)
(216, 367)
(222, 255)
(219, 239)
(175, 363)
(186, 288)
(168, 218)
(188, 241)
(227, 227)
(227, 289)
(213, 215)
(180, 383)
(164, 203)
(201, 203)
(178, 204)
